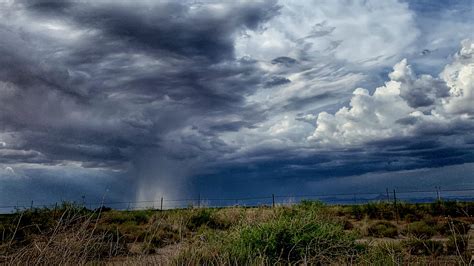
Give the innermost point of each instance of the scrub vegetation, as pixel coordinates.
(305, 233)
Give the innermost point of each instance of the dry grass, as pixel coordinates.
(74, 239)
(306, 233)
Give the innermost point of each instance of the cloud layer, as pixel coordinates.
(172, 97)
(406, 106)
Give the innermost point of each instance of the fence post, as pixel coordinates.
(161, 204)
(31, 205)
(273, 200)
(395, 204)
(437, 192)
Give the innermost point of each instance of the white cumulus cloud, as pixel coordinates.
(407, 104)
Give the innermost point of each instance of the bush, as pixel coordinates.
(357, 212)
(205, 217)
(383, 229)
(373, 210)
(420, 229)
(456, 245)
(451, 208)
(310, 205)
(453, 227)
(383, 254)
(291, 241)
(411, 218)
(347, 225)
(304, 236)
(423, 247)
(121, 217)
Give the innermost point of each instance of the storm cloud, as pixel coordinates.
(171, 97)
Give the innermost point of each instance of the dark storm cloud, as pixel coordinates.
(335, 164)
(157, 90)
(276, 81)
(136, 74)
(177, 28)
(284, 60)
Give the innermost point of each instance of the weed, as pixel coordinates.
(420, 229)
(383, 229)
(423, 247)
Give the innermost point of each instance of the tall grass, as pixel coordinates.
(67, 235)
(305, 233)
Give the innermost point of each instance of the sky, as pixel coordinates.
(138, 100)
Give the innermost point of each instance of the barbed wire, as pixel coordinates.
(164, 203)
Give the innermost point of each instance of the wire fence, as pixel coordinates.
(412, 196)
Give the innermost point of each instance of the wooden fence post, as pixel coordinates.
(273, 200)
(199, 200)
(161, 204)
(395, 204)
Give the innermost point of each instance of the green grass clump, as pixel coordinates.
(451, 208)
(420, 229)
(423, 247)
(383, 254)
(286, 240)
(301, 236)
(451, 227)
(382, 229)
(457, 245)
(206, 217)
(120, 217)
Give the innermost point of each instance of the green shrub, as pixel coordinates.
(162, 235)
(420, 229)
(457, 227)
(347, 225)
(292, 240)
(130, 231)
(411, 218)
(357, 212)
(456, 245)
(383, 229)
(120, 217)
(205, 217)
(451, 208)
(372, 210)
(383, 254)
(282, 240)
(423, 247)
(310, 205)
